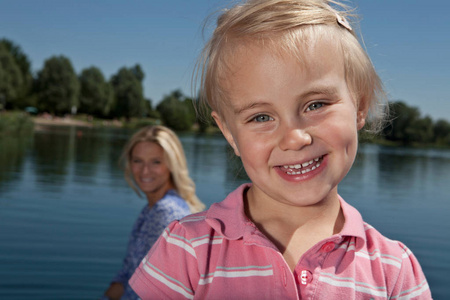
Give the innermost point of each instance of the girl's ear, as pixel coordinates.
(361, 114)
(225, 131)
(360, 120)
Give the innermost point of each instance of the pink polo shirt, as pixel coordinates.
(220, 254)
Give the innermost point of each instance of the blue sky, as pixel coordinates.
(408, 41)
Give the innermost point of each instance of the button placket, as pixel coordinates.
(284, 276)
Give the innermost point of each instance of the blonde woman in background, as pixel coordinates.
(155, 165)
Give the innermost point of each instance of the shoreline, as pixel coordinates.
(49, 120)
(60, 121)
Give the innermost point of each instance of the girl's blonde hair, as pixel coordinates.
(174, 157)
(289, 26)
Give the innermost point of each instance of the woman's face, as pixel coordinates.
(150, 170)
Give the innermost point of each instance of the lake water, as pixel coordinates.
(66, 211)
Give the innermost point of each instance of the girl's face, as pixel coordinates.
(150, 170)
(293, 125)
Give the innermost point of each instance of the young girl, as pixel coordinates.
(155, 165)
(289, 86)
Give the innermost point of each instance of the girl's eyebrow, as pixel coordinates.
(241, 109)
(319, 90)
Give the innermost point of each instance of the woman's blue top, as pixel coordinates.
(148, 227)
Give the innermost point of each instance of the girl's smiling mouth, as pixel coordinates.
(302, 168)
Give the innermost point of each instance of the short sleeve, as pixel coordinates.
(170, 269)
(411, 282)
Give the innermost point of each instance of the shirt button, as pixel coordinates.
(327, 247)
(305, 277)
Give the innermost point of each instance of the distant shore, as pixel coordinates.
(47, 119)
(41, 120)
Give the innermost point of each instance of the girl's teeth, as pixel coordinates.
(295, 169)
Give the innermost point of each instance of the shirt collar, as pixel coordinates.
(354, 224)
(229, 220)
(228, 217)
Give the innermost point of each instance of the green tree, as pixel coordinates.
(203, 116)
(175, 112)
(441, 131)
(96, 94)
(421, 131)
(138, 73)
(24, 65)
(401, 127)
(408, 127)
(150, 112)
(57, 86)
(10, 78)
(128, 91)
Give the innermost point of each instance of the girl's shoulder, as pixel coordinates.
(196, 221)
(190, 227)
(377, 242)
(393, 256)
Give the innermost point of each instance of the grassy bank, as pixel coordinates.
(15, 123)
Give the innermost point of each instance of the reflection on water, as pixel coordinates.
(397, 174)
(66, 211)
(12, 156)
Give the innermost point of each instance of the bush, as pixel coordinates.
(15, 123)
(139, 123)
(175, 113)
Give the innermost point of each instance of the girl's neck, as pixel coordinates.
(295, 229)
(323, 212)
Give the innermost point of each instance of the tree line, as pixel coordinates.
(58, 90)
(406, 126)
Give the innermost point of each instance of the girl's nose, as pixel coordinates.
(295, 139)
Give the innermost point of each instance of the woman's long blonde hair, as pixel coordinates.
(175, 159)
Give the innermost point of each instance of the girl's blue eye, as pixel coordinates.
(262, 118)
(314, 106)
